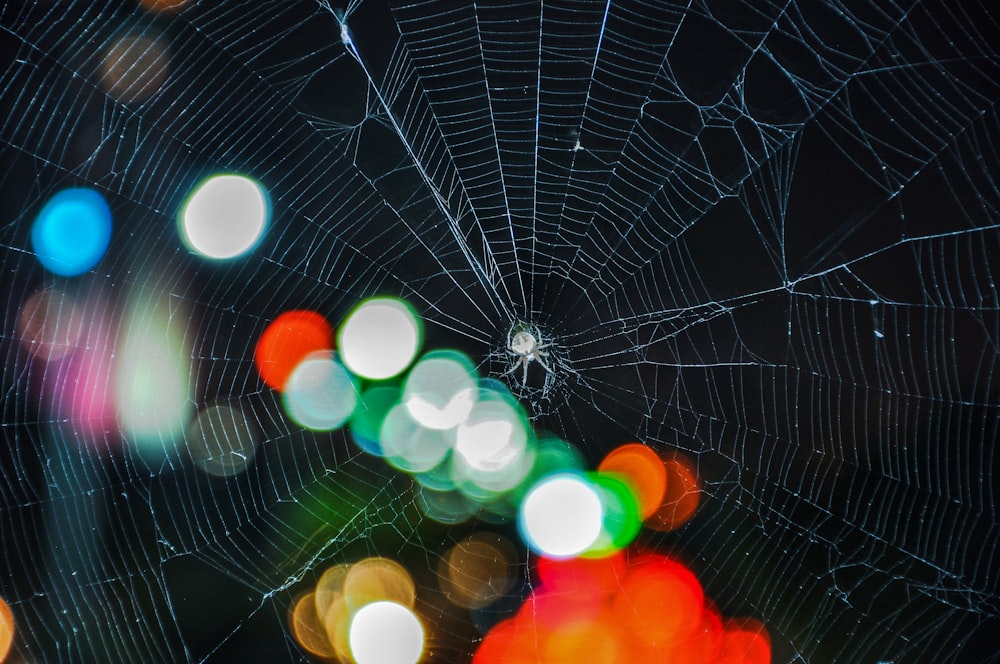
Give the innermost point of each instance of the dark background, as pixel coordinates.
(763, 235)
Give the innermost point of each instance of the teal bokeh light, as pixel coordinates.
(72, 232)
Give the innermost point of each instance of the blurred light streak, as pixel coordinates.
(152, 375)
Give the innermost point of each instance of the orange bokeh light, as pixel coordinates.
(619, 610)
(308, 629)
(660, 602)
(289, 339)
(162, 5)
(643, 471)
(745, 641)
(6, 629)
(681, 499)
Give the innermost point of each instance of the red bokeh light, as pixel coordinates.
(289, 339)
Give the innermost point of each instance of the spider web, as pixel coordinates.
(763, 234)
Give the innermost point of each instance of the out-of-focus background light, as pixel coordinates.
(6, 629)
(50, 324)
(380, 338)
(224, 217)
(441, 389)
(561, 516)
(72, 232)
(152, 375)
(410, 446)
(477, 571)
(320, 394)
(360, 613)
(165, 6)
(221, 441)
(386, 633)
(287, 340)
(135, 68)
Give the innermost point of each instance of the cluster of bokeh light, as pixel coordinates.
(618, 609)
(118, 369)
(360, 614)
(469, 447)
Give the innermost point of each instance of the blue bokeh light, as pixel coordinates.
(72, 232)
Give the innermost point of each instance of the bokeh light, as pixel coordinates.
(682, 497)
(376, 579)
(643, 470)
(151, 375)
(380, 338)
(745, 641)
(386, 633)
(409, 446)
(221, 441)
(162, 5)
(660, 602)
(134, 68)
(224, 217)
(72, 232)
(309, 629)
(49, 324)
(491, 446)
(79, 389)
(561, 516)
(288, 340)
(6, 629)
(621, 521)
(320, 394)
(325, 623)
(365, 424)
(441, 389)
(477, 571)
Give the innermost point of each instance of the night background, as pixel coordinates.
(760, 237)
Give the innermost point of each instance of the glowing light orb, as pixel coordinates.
(386, 633)
(134, 68)
(221, 441)
(477, 571)
(162, 5)
(441, 390)
(378, 580)
(409, 446)
(224, 217)
(660, 601)
(745, 641)
(72, 232)
(308, 628)
(380, 338)
(320, 394)
(6, 629)
(50, 325)
(643, 470)
(288, 340)
(681, 499)
(561, 516)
